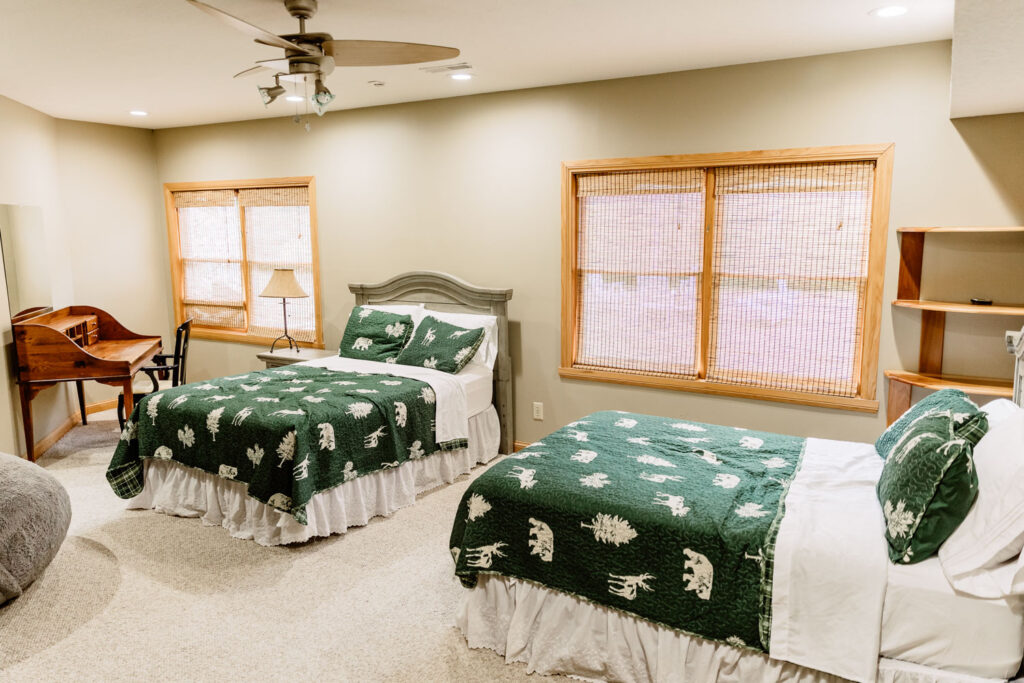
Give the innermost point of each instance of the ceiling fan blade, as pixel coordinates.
(384, 52)
(275, 64)
(251, 71)
(258, 34)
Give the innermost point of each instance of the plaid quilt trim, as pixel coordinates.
(768, 561)
(973, 429)
(453, 445)
(126, 481)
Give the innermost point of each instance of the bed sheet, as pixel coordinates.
(925, 621)
(830, 559)
(479, 384)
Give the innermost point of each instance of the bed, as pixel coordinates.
(287, 454)
(781, 571)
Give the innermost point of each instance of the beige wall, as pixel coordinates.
(28, 176)
(112, 205)
(104, 236)
(471, 186)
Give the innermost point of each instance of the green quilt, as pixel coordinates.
(287, 433)
(670, 520)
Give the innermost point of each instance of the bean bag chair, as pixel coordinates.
(35, 512)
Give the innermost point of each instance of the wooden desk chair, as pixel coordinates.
(163, 374)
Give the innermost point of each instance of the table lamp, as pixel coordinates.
(283, 285)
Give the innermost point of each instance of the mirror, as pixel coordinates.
(23, 242)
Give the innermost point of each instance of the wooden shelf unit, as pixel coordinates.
(933, 325)
(983, 386)
(987, 228)
(956, 307)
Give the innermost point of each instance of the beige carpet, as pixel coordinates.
(136, 595)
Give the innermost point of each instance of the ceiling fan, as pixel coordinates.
(314, 55)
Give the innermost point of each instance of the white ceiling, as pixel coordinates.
(988, 58)
(96, 60)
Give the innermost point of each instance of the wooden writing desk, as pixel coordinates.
(73, 344)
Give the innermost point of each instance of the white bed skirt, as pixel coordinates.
(557, 633)
(187, 492)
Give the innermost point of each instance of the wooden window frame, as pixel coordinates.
(867, 355)
(174, 247)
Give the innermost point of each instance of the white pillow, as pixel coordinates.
(488, 351)
(999, 409)
(977, 557)
(1003, 581)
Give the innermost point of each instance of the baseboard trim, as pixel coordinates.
(73, 421)
(53, 437)
(100, 406)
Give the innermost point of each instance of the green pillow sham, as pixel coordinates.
(927, 487)
(969, 422)
(442, 346)
(375, 335)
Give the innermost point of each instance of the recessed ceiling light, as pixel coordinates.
(138, 112)
(461, 77)
(295, 98)
(889, 11)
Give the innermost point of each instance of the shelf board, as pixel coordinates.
(985, 228)
(982, 386)
(953, 307)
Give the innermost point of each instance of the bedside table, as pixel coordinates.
(287, 356)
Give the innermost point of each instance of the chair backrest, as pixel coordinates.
(181, 337)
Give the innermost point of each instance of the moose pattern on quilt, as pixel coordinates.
(286, 433)
(671, 520)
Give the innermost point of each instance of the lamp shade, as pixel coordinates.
(283, 285)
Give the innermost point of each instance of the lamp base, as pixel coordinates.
(292, 344)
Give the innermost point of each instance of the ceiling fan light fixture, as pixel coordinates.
(463, 76)
(316, 54)
(321, 97)
(270, 94)
(295, 98)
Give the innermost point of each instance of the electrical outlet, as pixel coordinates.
(538, 410)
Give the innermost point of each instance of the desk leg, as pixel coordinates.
(26, 418)
(129, 398)
(81, 401)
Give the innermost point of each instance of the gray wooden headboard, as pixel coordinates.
(443, 292)
(1015, 345)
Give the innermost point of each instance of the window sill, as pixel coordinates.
(705, 387)
(244, 338)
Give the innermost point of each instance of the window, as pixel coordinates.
(756, 274)
(226, 239)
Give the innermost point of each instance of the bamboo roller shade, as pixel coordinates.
(789, 265)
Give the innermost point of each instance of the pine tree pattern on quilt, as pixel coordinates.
(671, 520)
(287, 433)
